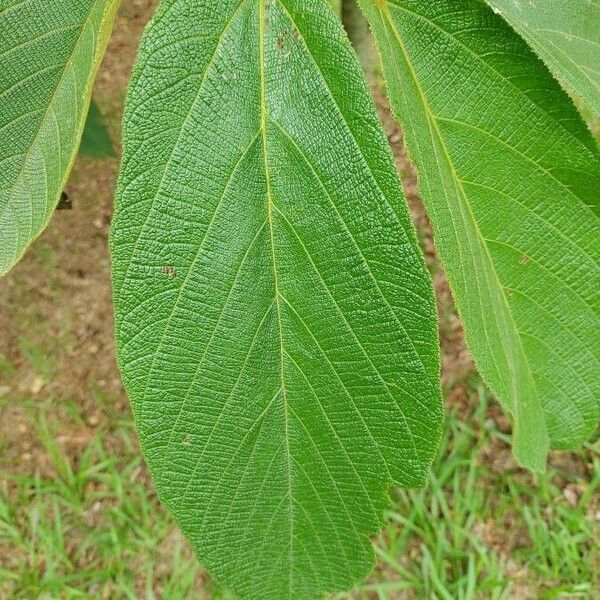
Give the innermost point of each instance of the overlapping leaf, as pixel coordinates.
(506, 169)
(566, 36)
(275, 321)
(49, 53)
(95, 139)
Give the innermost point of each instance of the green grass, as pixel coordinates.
(85, 523)
(90, 527)
(480, 532)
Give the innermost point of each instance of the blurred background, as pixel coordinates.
(78, 515)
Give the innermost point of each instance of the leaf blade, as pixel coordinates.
(50, 53)
(566, 36)
(317, 345)
(503, 200)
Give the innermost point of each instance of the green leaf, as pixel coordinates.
(275, 320)
(95, 140)
(566, 36)
(50, 51)
(505, 168)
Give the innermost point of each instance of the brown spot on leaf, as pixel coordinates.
(170, 272)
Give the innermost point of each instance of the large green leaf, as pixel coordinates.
(49, 53)
(566, 35)
(506, 169)
(275, 320)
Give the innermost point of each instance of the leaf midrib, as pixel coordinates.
(279, 298)
(432, 119)
(382, 5)
(269, 208)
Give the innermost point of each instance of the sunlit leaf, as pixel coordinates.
(50, 51)
(506, 168)
(566, 36)
(275, 320)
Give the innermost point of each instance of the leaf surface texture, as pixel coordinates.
(275, 320)
(50, 51)
(566, 36)
(510, 178)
